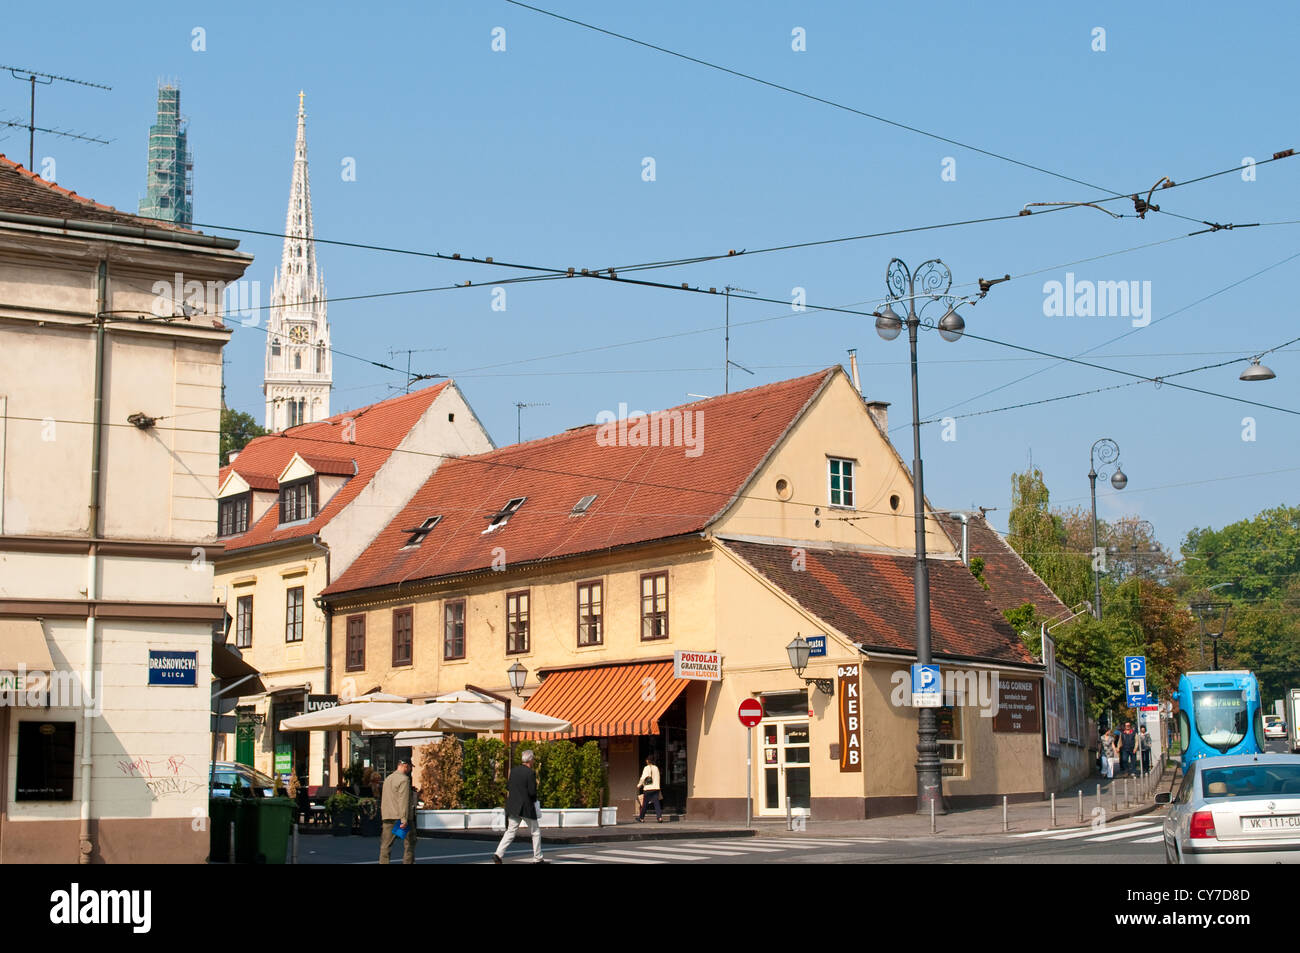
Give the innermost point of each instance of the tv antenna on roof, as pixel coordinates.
(519, 416)
(414, 378)
(729, 363)
(45, 79)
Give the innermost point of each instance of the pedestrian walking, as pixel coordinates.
(521, 808)
(1144, 745)
(397, 810)
(648, 785)
(1128, 746)
(1103, 754)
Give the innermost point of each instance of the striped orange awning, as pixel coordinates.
(606, 701)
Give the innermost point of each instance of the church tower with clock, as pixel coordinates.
(299, 372)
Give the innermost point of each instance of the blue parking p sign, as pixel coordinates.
(927, 687)
(1135, 666)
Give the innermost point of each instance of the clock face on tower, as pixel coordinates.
(298, 334)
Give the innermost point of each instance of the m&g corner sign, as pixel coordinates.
(173, 668)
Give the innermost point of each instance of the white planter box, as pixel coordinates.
(440, 820)
(550, 817)
(493, 818)
(608, 816)
(580, 817)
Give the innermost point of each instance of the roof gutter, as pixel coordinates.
(123, 231)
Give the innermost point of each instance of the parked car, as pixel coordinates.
(254, 782)
(1274, 726)
(1237, 809)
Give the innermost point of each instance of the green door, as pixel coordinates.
(245, 737)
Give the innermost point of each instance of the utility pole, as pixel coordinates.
(728, 363)
(519, 417)
(31, 77)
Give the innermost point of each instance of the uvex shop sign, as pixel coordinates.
(850, 718)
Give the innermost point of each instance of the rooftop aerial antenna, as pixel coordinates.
(729, 363)
(519, 416)
(411, 379)
(32, 77)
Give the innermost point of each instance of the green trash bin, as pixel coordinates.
(247, 817)
(221, 814)
(274, 828)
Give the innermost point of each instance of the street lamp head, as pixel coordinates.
(518, 676)
(799, 651)
(951, 326)
(1257, 372)
(1119, 480)
(888, 324)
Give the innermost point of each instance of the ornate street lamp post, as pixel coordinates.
(931, 281)
(1104, 452)
(1213, 617)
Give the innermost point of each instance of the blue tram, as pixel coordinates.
(1219, 713)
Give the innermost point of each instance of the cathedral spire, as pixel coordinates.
(298, 366)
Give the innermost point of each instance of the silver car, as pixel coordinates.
(1238, 809)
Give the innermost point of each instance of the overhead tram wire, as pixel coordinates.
(1158, 381)
(1131, 331)
(868, 115)
(548, 273)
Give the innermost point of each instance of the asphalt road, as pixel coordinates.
(1135, 841)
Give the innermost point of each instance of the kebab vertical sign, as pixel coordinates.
(849, 678)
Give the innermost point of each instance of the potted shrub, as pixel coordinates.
(440, 785)
(342, 809)
(368, 812)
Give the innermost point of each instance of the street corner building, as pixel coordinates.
(295, 509)
(110, 396)
(648, 584)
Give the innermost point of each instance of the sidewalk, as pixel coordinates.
(1021, 818)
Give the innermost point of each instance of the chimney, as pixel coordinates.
(879, 410)
(230, 457)
(853, 367)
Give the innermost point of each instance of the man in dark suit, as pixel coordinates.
(521, 807)
(397, 808)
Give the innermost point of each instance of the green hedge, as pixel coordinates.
(567, 776)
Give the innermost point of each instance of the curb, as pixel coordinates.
(558, 836)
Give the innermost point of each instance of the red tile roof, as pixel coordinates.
(22, 190)
(1011, 581)
(643, 493)
(869, 597)
(376, 430)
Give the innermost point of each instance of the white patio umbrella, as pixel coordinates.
(349, 717)
(462, 711)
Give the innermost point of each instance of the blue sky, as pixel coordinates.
(535, 154)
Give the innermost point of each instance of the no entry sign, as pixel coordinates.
(750, 712)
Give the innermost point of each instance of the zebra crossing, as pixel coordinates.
(690, 851)
(1136, 831)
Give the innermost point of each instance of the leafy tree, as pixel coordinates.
(237, 429)
(1258, 556)
(1039, 536)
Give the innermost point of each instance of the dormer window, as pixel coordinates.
(418, 533)
(232, 515)
(298, 500)
(582, 505)
(500, 519)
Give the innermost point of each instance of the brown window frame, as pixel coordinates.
(653, 614)
(515, 621)
(358, 651)
(293, 507)
(292, 625)
(243, 622)
(232, 514)
(408, 614)
(599, 616)
(448, 643)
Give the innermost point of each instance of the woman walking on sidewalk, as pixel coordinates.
(648, 785)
